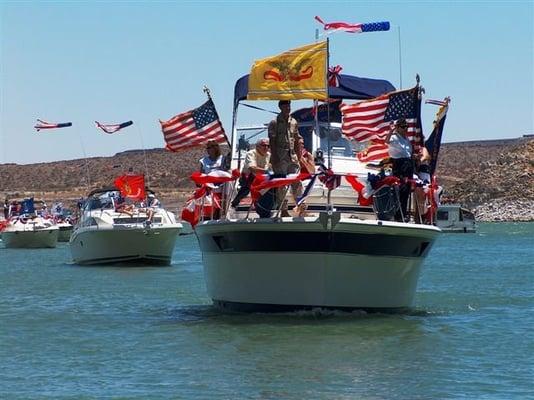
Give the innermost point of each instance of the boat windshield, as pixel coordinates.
(339, 144)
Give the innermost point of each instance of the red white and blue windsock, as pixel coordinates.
(354, 28)
(50, 125)
(436, 102)
(112, 128)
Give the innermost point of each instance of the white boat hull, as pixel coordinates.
(354, 264)
(64, 233)
(42, 238)
(104, 246)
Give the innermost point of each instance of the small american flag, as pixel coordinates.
(50, 125)
(193, 128)
(371, 119)
(354, 28)
(113, 128)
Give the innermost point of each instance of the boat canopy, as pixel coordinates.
(350, 88)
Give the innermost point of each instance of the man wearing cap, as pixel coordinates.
(400, 151)
(256, 162)
(283, 138)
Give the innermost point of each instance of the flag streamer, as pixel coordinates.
(50, 125)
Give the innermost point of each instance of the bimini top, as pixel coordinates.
(350, 88)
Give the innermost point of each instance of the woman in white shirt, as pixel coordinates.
(400, 152)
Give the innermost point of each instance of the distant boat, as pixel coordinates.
(455, 218)
(30, 231)
(25, 228)
(107, 234)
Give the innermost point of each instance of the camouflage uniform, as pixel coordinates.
(283, 139)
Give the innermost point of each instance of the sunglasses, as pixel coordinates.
(264, 145)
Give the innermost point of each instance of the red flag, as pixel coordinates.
(131, 186)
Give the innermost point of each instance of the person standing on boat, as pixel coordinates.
(214, 160)
(283, 138)
(6, 209)
(256, 162)
(400, 152)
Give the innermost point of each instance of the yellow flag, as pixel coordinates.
(299, 73)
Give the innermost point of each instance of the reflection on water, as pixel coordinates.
(151, 332)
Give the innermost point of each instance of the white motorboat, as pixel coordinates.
(455, 218)
(338, 255)
(30, 231)
(106, 234)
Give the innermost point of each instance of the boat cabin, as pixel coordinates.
(455, 218)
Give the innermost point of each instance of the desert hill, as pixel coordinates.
(478, 174)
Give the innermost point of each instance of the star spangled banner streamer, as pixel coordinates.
(50, 125)
(112, 128)
(354, 28)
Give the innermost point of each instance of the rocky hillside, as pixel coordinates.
(494, 177)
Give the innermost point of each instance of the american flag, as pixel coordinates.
(193, 128)
(371, 119)
(50, 125)
(113, 128)
(375, 151)
(354, 28)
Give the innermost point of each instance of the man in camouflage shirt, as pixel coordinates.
(283, 139)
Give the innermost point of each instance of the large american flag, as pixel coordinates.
(193, 128)
(371, 120)
(50, 125)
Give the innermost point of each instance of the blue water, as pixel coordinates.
(71, 332)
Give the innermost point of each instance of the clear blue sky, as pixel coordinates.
(112, 62)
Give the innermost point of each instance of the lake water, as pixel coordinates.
(72, 332)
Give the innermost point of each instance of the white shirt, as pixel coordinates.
(207, 164)
(255, 159)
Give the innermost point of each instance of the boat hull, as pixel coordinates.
(64, 233)
(134, 245)
(287, 264)
(32, 239)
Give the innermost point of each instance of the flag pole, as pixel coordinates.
(88, 176)
(400, 56)
(208, 93)
(144, 155)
